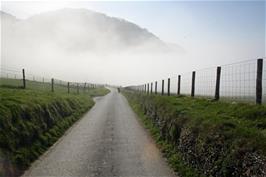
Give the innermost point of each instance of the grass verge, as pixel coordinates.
(33, 120)
(200, 137)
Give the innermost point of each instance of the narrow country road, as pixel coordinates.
(108, 141)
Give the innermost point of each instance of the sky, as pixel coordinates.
(212, 32)
(184, 23)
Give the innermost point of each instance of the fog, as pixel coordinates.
(80, 45)
(84, 46)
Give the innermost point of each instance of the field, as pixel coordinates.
(45, 85)
(33, 119)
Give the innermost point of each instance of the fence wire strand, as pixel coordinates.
(238, 82)
(11, 77)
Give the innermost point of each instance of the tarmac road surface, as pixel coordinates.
(108, 141)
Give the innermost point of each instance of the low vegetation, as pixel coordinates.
(202, 137)
(32, 120)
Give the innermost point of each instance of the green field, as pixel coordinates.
(201, 137)
(32, 119)
(59, 86)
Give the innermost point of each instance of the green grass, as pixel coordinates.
(31, 120)
(98, 92)
(204, 137)
(42, 86)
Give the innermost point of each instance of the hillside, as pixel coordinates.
(88, 41)
(81, 30)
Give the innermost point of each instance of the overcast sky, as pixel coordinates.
(214, 32)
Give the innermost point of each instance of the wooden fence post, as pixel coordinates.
(67, 87)
(24, 79)
(168, 87)
(148, 90)
(193, 84)
(178, 84)
(156, 87)
(162, 87)
(52, 80)
(84, 89)
(259, 81)
(77, 88)
(151, 87)
(217, 87)
(145, 89)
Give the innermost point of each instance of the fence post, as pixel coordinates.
(162, 87)
(259, 81)
(24, 79)
(67, 87)
(178, 84)
(148, 90)
(77, 88)
(168, 87)
(156, 87)
(193, 84)
(217, 88)
(144, 88)
(52, 80)
(151, 87)
(84, 89)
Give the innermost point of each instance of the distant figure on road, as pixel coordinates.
(118, 89)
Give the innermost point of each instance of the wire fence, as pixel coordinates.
(185, 86)
(20, 78)
(243, 82)
(238, 81)
(264, 83)
(205, 81)
(173, 85)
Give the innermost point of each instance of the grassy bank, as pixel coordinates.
(32, 120)
(200, 137)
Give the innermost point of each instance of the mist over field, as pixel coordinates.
(82, 45)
